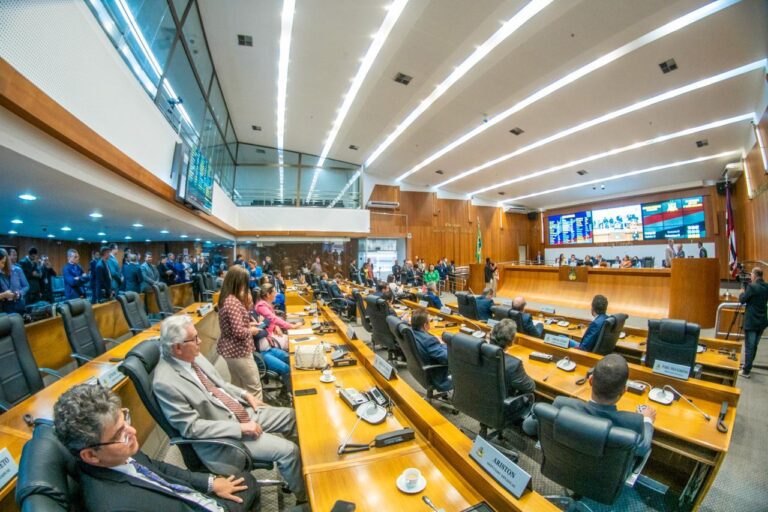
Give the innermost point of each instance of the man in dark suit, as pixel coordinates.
(132, 278)
(431, 350)
(433, 297)
(166, 271)
(755, 296)
(33, 271)
(599, 309)
(609, 383)
(529, 328)
(702, 251)
(115, 475)
(114, 269)
(335, 291)
(503, 335)
(102, 277)
(484, 304)
(396, 271)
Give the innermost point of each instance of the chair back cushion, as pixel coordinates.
(672, 341)
(363, 313)
(517, 317)
(500, 312)
(163, 297)
(412, 356)
(609, 334)
(19, 377)
(467, 305)
(133, 310)
(80, 326)
(378, 310)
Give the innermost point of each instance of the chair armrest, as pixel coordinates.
(52, 373)
(163, 314)
(696, 371)
(109, 340)
(235, 445)
(431, 367)
(177, 308)
(78, 357)
(135, 330)
(4, 406)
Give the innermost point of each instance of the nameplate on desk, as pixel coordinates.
(383, 367)
(445, 310)
(351, 333)
(111, 377)
(8, 467)
(556, 340)
(504, 471)
(491, 322)
(678, 371)
(549, 310)
(423, 303)
(204, 310)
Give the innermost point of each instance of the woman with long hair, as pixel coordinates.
(237, 331)
(274, 346)
(13, 285)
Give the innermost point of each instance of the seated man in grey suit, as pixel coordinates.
(114, 475)
(608, 382)
(200, 404)
(529, 328)
(503, 335)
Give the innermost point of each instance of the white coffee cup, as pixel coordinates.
(412, 476)
(327, 374)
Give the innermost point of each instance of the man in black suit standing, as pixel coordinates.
(755, 296)
(609, 383)
(702, 251)
(103, 277)
(115, 475)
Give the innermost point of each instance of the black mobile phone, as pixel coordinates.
(343, 506)
(480, 507)
(306, 338)
(302, 392)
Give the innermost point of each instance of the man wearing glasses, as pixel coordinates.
(115, 475)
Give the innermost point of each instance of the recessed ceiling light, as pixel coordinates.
(634, 107)
(147, 240)
(164, 231)
(208, 241)
(198, 239)
(593, 65)
(103, 241)
(66, 228)
(27, 197)
(516, 131)
(137, 225)
(128, 237)
(184, 236)
(12, 232)
(17, 221)
(255, 127)
(51, 235)
(101, 233)
(96, 215)
(80, 239)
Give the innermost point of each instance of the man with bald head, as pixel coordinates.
(529, 328)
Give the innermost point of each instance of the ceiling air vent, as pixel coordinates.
(402, 78)
(255, 127)
(516, 130)
(581, 172)
(353, 147)
(439, 171)
(701, 143)
(383, 205)
(516, 208)
(244, 40)
(668, 66)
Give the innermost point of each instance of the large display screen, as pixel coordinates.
(676, 218)
(199, 183)
(573, 228)
(620, 224)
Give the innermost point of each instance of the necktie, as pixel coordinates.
(230, 403)
(154, 477)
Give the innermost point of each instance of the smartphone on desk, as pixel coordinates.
(343, 506)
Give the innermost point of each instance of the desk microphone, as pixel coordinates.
(676, 392)
(351, 448)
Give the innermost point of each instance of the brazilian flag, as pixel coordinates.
(479, 249)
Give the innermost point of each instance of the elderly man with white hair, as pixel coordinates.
(199, 403)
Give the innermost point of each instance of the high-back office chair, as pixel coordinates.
(47, 478)
(673, 341)
(420, 370)
(163, 297)
(500, 312)
(19, 375)
(57, 287)
(204, 294)
(480, 387)
(377, 311)
(210, 282)
(609, 334)
(81, 330)
(467, 305)
(139, 366)
(584, 453)
(364, 318)
(134, 313)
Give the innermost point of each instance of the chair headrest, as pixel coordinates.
(77, 306)
(131, 297)
(466, 348)
(5, 325)
(581, 432)
(672, 330)
(44, 467)
(148, 352)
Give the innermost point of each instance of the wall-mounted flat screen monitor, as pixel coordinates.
(572, 228)
(199, 182)
(619, 224)
(675, 218)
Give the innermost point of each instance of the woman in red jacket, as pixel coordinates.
(237, 331)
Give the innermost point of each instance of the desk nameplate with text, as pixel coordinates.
(677, 371)
(556, 340)
(383, 367)
(504, 471)
(112, 377)
(445, 310)
(423, 303)
(8, 467)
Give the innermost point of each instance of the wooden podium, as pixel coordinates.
(695, 290)
(476, 281)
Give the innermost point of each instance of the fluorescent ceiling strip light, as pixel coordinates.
(610, 116)
(391, 18)
(625, 175)
(598, 63)
(761, 146)
(506, 30)
(351, 180)
(616, 151)
(289, 7)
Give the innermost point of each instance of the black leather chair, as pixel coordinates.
(609, 334)
(139, 364)
(584, 453)
(673, 341)
(81, 330)
(500, 312)
(420, 370)
(467, 305)
(47, 479)
(378, 310)
(210, 282)
(364, 318)
(19, 375)
(204, 294)
(480, 388)
(134, 313)
(163, 297)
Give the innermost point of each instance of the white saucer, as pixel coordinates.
(421, 483)
(323, 379)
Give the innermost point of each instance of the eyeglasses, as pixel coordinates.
(122, 434)
(196, 339)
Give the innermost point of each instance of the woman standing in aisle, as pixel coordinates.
(274, 346)
(237, 331)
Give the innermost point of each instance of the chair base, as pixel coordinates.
(568, 503)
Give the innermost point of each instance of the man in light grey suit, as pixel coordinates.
(200, 404)
(149, 274)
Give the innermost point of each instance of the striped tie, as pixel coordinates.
(230, 403)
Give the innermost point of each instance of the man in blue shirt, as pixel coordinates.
(484, 304)
(431, 350)
(529, 328)
(74, 276)
(599, 309)
(132, 277)
(433, 298)
(114, 269)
